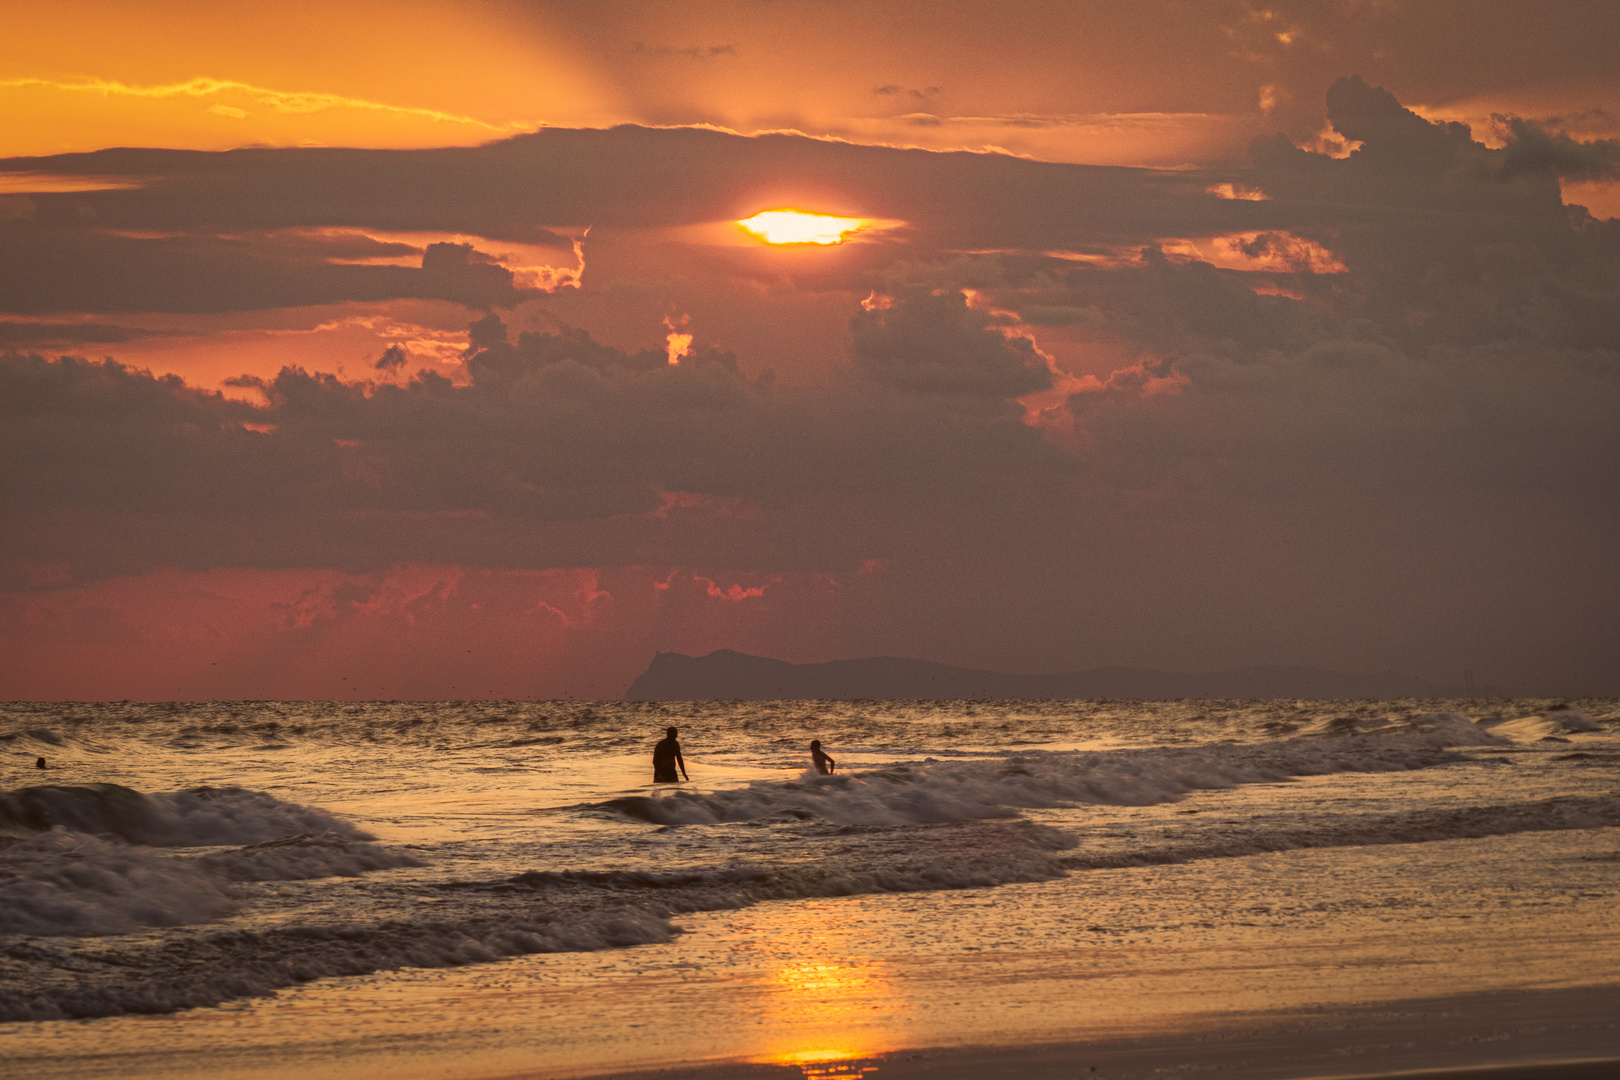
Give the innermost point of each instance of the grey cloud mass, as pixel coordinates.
(552, 428)
(1535, 149)
(44, 269)
(209, 231)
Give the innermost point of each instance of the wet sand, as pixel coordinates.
(1570, 1034)
(1567, 1034)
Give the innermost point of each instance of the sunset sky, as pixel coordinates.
(414, 350)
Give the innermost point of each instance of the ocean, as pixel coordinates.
(224, 888)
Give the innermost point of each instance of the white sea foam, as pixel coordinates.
(196, 817)
(302, 857)
(1358, 830)
(956, 790)
(917, 859)
(63, 883)
(49, 982)
(91, 860)
(1554, 724)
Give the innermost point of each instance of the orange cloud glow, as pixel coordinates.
(220, 91)
(677, 343)
(80, 77)
(1236, 191)
(324, 634)
(1277, 251)
(348, 339)
(531, 264)
(34, 183)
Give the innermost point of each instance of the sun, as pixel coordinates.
(797, 227)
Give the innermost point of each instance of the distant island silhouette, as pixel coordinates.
(726, 675)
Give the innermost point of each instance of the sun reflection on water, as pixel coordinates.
(830, 1072)
(809, 977)
(824, 1012)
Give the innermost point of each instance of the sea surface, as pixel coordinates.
(220, 857)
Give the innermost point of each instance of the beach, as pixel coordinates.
(990, 889)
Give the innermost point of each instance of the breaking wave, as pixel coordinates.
(957, 790)
(1328, 831)
(62, 883)
(98, 860)
(195, 817)
(302, 857)
(52, 982)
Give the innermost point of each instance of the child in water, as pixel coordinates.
(824, 764)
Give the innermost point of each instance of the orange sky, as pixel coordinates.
(1153, 84)
(1056, 81)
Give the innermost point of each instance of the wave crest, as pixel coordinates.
(936, 791)
(194, 817)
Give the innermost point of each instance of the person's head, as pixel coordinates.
(671, 732)
(815, 744)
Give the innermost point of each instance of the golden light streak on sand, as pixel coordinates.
(815, 1004)
(799, 227)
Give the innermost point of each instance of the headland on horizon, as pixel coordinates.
(727, 675)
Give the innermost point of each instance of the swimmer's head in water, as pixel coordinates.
(671, 732)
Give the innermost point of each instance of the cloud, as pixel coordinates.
(325, 634)
(550, 429)
(937, 343)
(203, 227)
(283, 101)
(689, 52)
(44, 269)
(60, 333)
(392, 359)
(250, 229)
(1391, 135)
(1533, 148)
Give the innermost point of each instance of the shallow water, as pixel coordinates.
(976, 871)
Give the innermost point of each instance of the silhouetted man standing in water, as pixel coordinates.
(824, 763)
(667, 755)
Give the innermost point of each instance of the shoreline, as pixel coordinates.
(1570, 1033)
